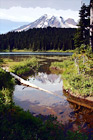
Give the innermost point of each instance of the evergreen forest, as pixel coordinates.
(39, 39)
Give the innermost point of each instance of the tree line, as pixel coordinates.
(39, 39)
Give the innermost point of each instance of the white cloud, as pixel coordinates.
(56, 4)
(31, 14)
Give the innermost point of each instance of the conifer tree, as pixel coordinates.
(82, 34)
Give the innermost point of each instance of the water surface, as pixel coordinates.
(36, 53)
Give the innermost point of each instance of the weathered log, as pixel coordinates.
(27, 83)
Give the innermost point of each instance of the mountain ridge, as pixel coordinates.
(48, 20)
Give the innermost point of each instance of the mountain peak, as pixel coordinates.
(71, 21)
(49, 20)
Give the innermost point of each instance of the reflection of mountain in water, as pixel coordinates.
(51, 78)
(50, 82)
(47, 78)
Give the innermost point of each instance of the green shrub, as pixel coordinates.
(7, 83)
(24, 66)
(77, 74)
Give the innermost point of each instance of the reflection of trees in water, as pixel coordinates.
(45, 68)
(83, 117)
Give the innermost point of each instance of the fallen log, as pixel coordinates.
(27, 83)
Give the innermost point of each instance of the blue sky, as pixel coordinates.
(30, 10)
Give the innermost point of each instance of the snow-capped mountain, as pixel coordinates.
(52, 21)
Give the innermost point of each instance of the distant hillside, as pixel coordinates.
(39, 39)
